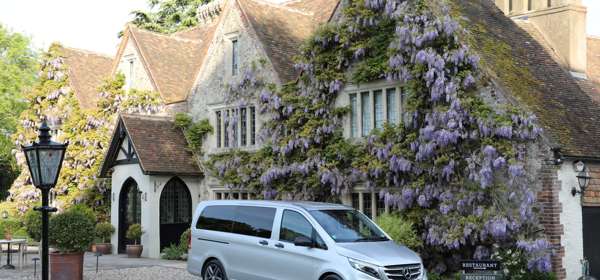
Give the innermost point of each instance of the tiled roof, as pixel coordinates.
(283, 28)
(87, 71)
(526, 71)
(173, 60)
(160, 146)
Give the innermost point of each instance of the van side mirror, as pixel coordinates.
(303, 241)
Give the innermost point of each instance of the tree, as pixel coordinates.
(168, 16)
(17, 73)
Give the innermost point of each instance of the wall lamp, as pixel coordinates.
(583, 178)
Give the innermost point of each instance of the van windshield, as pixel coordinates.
(344, 225)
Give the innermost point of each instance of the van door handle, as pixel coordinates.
(279, 245)
(263, 242)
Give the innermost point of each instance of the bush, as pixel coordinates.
(9, 226)
(33, 224)
(104, 231)
(134, 233)
(173, 252)
(71, 231)
(183, 240)
(89, 212)
(177, 252)
(515, 266)
(400, 230)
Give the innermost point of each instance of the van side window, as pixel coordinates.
(217, 218)
(254, 221)
(293, 225)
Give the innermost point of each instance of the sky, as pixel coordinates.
(593, 17)
(93, 24)
(85, 24)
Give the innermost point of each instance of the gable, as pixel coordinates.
(154, 143)
(131, 65)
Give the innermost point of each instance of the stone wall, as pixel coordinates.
(141, 78)
(593, 58)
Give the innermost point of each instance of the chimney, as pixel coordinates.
(208, 11)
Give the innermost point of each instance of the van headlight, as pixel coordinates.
(364, 267)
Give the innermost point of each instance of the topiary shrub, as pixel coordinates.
(184, 239)
(71, 231)
(400, 230)
(134, 233)
(9, 227)
(33, 224)
(104, 231)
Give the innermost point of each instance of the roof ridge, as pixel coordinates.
(168, 36)
(87, 52)
(145, 116)
(282, 6)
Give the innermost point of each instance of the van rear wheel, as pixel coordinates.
(213, 270)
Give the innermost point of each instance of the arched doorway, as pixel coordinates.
(130, 211)
(175, 212)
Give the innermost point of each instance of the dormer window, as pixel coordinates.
(234, 56)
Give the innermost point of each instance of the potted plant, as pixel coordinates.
(103, 232)
(71, 234)
(134, 233)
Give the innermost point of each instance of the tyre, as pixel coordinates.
(332, 277)
(213, 270)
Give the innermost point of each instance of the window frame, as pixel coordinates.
(314, 235)
(356, 91)
(222, 134)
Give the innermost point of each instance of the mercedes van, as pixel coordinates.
(279, 240)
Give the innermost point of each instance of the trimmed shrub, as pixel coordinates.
(183, 240)
(104, 231)
(134, 233)
(71, 231)
(9, 226)
(33, 224)
(173, 252)
(401, 230)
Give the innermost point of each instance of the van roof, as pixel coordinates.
(307, 205)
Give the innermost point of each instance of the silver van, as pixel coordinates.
(279, 240)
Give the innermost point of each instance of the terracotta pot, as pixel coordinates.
(134, 251)
(66, 266)
(92, 248)
(104, 248)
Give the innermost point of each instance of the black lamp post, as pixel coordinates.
(44, 159)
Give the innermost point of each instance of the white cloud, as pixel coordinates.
(86, 24)
(593, 17)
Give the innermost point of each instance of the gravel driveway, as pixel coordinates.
(115, 267)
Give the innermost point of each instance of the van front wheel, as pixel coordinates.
(213, 270)
(332, 277)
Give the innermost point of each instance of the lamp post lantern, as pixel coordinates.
(44, 159)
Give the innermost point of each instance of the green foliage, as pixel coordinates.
(401, 230)
(177, 252)
(183, 240)
(33, 224)
(104, 231)
(134, 232)
(168, 16)
(17, 74)
(173, 252)
(9, 226)
(88, 132)
(71, 231)
(194, 132)
(515, 262)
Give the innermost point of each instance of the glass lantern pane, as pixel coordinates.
(33, 167)
(50, 160)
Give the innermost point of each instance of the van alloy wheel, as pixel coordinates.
(214, 271)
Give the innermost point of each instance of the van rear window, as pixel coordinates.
(246, 220)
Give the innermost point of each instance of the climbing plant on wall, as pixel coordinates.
(87, 131)
(454, 166)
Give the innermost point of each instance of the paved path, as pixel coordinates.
(115, 267)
